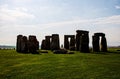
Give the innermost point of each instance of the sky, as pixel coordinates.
(63, 17)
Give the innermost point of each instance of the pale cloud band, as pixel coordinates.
(117, 6)
(14, 15)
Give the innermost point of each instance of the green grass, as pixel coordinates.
(14, 65)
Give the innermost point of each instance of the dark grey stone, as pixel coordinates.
(55, 44)
(96, 40)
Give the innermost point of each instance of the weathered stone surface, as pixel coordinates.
(21, 45)
(47, 40)
(72, 43)
(55, 45)
(99, 47)
(24, 45)
(66, 42)
(33, 44)
(18, 44)
(78, 35)
(60, 51)
(103, 44)
(69, 44)
(99, 34)
(43, 45)
(82, 41)
(95, 43)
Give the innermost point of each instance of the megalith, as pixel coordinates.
(72, 43)
(47, 41)
(33, 44)
(43, 45)
(24, 44)
(66, 42)
(97, 44)
(69, 44)
(103, 44)
(18, 44)
(82, 41)
(21, 45)
(55, 44)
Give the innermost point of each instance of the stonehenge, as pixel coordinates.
(25, 45)
(33, 44)
(96, 40)
(55, 44)
(78, 42)
(69, 44)
(82, 41)
(18, 44)
(46, 43)
(43, 45)
(51, 42)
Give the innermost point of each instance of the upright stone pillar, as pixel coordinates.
(99, 47)
(43, 45)
(66, 42)
(84, 42)
(47, 40)
(72, 43)
(55, 45)
(78, 40)
(95, 43)
(24, 44)
(18, 44)
(103, 44)
(33, 44)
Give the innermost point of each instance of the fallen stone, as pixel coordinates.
(60, 51)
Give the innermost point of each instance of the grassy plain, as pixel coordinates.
(98, 65)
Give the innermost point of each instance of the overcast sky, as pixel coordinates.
(46, 17)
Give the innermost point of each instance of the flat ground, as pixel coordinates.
(99, 65)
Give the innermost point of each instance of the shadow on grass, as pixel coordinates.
(105, 53)
(115, 52)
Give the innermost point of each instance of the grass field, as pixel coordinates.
(14, 65)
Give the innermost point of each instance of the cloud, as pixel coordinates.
(8, 15)
(21, 1)
(117, 7)
(98, 21)
(108, 20)
(20, 14)
(108, 25)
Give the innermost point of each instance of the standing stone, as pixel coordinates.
(18, 44)
(33, 44)
(43, 45)
(82, 41)
(66, 42)
(72, 43)
(24, 44)
(47, 42)
(69, 44)
(95, 43)
(103, 44)
(55, 45)
(78, 39)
